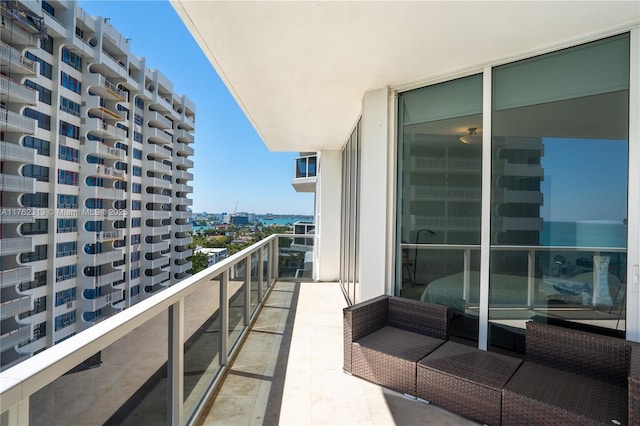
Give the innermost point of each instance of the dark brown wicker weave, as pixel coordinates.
(386, 336)
(573, 377)
(466, 380)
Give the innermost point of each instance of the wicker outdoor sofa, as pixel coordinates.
(386, 336)
(567, 377)
(574, 377)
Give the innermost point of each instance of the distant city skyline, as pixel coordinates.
(232, 166)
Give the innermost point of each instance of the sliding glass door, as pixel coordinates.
(440, 199)
(559, 191)
(556, 184)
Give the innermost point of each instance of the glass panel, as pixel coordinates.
(202, 345)
(559, 192)
(265, 269)
(255, 271)
(125, 382)
(439, 202)
(236, 290)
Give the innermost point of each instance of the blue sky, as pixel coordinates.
(231, 163)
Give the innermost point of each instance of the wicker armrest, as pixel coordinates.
(429, 319)
(360, 320)
(634, 385)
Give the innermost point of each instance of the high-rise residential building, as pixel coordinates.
(94, 157)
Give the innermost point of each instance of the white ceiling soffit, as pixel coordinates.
(299, 69)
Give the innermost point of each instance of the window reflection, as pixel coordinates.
(559, 191)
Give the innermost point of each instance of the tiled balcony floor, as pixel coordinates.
(289, 371)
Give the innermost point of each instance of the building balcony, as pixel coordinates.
(154, 263)
(101, 192)
(10, 91)
(13, 122)
(14, 338)
(155, 181)
(156, 230)
(92, 305)
(101, 170)
(157, 136)
(183, 201)
(181, 241)
(183, 174)
(183, 136)
(158, 120)
(18, 214)
(180, 269)
(305, 174)
(183, 148)
(128, 361)
(183, 161)
(100, 85)
(156, 198)
(97, 107)
(15, 245)
(16, 34)
(159, 278)
(102, 150)
(14, 63)
(18, 153)
(156, 151)
(158, 167)
(102, 129)
(106, 279)
(14, 307)
(100, 258)
(157, 247)
(12, 183)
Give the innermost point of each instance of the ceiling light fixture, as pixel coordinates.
(472, 137)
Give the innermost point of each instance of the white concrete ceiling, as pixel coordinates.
(299, 69)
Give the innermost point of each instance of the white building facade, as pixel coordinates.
(94, 162)
(475, 154)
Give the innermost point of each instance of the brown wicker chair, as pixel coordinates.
(573, 377)
(385, 337)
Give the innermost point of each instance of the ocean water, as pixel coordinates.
(283, 221)
(584, 234)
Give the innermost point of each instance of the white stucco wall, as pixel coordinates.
(374, 195)
(327, 216)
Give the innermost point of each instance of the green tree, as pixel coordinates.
(199, 261)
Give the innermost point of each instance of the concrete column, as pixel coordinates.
(374, 195)
(327, 216)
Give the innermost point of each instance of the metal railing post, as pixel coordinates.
(247, 290)
(260, 270)
(175, 364)
(224, 317)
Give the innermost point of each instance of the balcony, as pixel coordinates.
(102, 129)
(20, 215)
(14, 122)
(101, 192)
(183, 136)
(14, 62)
(106, 279)
(158, 120)
(156, 198)
(156, 151)
(183, 148)
(157, 166)
(104, 171)
(295, 367)
(15, 245)
(14, 338)
(155, 181)
(183, 161)
(18, 153)
(10, 91)
(105, 88)
(15, 307)
(102, 150)
(12, 183)
(305, 174)
(157, 136)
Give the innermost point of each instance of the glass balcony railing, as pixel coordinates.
(306, 167)
(158, 361)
